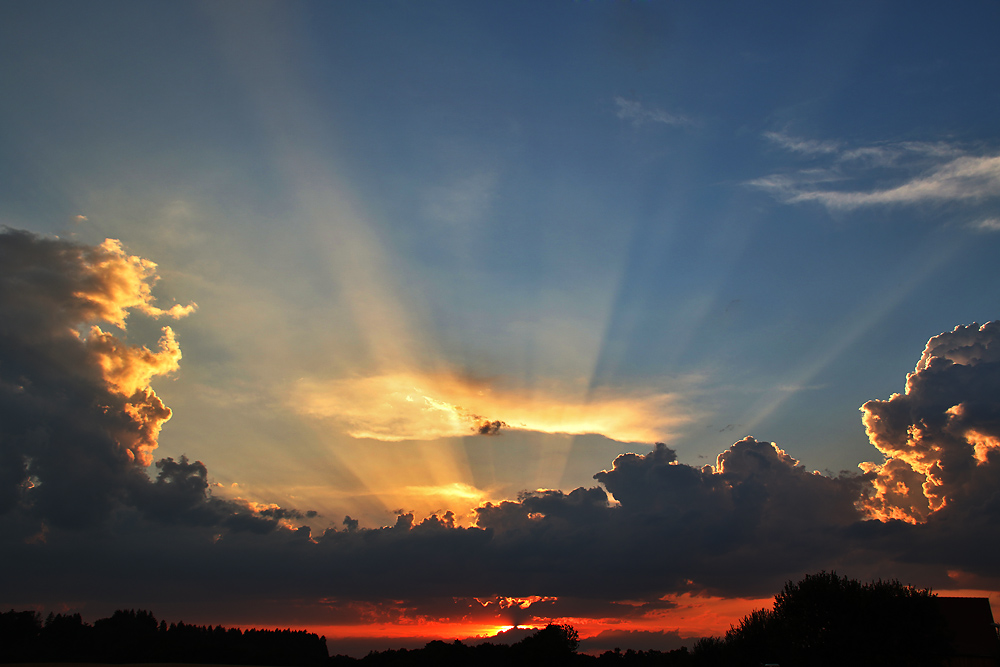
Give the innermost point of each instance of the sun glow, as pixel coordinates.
(421, 406)
(689, 615)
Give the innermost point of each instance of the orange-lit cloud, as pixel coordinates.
(415, 406)
(130, 368)
(114, 282)
(54, 296)
(508, 602)
(938, 432)
(982, 444)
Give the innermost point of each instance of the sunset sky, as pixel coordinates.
(366, 316)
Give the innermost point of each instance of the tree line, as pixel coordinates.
(824, 619)
(130, 636)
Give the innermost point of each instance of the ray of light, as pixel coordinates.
(358, 270)
(874, 311)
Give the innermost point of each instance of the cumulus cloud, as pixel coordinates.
(423, 406)
(940, 436)
(129, 369)
(79, 420)
(756, 510)
(921, 172)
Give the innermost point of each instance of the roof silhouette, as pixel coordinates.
(972, 629)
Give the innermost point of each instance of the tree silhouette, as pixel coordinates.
(825, 619)
(127, 636)
(19, 632)
(65, 638)
(554, 644)
(134, 636)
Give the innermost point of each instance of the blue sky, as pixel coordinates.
(603, 224)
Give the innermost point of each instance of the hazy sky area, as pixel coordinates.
(450, 260)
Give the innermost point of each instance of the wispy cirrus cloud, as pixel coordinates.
(800, 145)
(963, 178)
(855, 177)
(987, 225)
(637, 113)
(463, 200)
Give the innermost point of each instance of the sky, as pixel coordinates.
(368, 317)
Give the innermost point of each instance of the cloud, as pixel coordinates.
(487, 427)
(463, 201)
(941, 436)
(128, 369)
(800, 145)
(987, 225)
(756, 511)
(923, 173)
(424, 406)
(756, 517)
(638, 114)
(180, 495)
(79, 420)
(81, 520)
(964, 178)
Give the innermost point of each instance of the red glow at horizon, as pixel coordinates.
(694, 616)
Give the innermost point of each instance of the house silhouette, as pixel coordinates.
(972, 630)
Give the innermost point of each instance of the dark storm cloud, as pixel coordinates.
(757, 510)
(181, 494)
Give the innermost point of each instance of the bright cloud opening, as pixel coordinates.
(412, 406)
